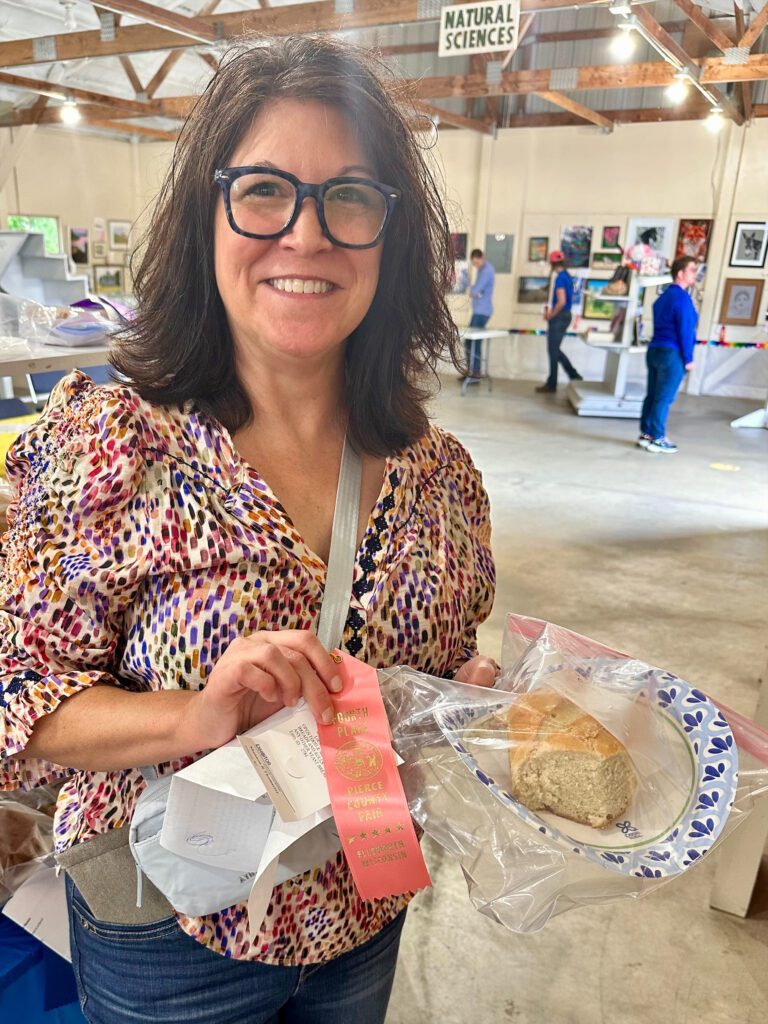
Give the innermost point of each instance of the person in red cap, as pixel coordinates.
(558, 317)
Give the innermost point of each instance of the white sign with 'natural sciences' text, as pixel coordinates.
(478, 28)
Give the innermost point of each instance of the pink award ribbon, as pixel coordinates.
(367, 797)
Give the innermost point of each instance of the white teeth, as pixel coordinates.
(296, 284)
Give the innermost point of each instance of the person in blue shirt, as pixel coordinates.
(558, 317)
(481, 293)
(670, 354)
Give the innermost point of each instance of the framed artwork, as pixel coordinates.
(98, 252)
(538, 249)
(693, 239)
(596, 308)
(576, 243)
(606, 260)
(459, 240)
(78, 245)
(533, 290)
(658, 232)
(498, 252)
(610, 237)
(47, 226)
(108, 280)
(119, 234)
(750, 242)
(99, 230)
(578, 291)
(741, 301)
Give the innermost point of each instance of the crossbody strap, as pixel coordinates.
(341, 560)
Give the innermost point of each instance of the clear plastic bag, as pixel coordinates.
(26, 836)
(85, 323)
(466, 784)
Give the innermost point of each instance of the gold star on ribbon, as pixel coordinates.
(363, 835)
(400, 828)
(375, 833)
(387, 831)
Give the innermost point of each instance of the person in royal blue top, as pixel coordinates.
(558, 317)
(670, 354)
(481, 293)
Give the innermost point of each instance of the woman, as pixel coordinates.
(167, 555)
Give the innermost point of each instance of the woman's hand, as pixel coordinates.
(478, 671)
(255, 677)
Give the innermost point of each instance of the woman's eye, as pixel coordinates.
(350, 194)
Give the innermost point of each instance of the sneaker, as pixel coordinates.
(644, 440)
(661, 444)
(543, 389)
(472, 380)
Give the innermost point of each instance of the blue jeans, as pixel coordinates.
(556, 329)
(474, 349)
(665, 374)
(157, 974)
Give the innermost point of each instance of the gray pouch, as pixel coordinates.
(105, 873)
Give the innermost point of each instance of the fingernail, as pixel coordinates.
(328, 716)
(336, 684)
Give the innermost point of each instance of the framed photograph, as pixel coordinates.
(119, 234)
(596, 308)
(98, 252)
(459, 239)
(693, 239)
(78, 245)
(47, 226)
(749, 244)
(606, 260)
(576, 243)
(538, 249)
(741, 301)
(108, 280)
(99, 230)
(610, 237)
(498, 252)
(658, 232)
(533, 290)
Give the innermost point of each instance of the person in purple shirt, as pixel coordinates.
(670, 354)
(481, 293)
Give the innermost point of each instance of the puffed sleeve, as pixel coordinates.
(73, 555)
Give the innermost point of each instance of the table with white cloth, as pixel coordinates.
(32, 357)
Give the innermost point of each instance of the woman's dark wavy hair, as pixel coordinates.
(179, 347)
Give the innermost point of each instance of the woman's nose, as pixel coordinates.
(307, 231)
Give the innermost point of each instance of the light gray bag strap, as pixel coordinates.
(341, 560)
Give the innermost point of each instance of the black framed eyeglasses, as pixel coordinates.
(263, 202)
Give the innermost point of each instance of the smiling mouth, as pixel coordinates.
(301, 286)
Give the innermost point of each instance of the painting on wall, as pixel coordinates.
(119, 234)
(98, 252)
(78, 245)
(47, 226)
(99, 230)
(498, 252)
(750, 242)
(596, 308)
(606, 260)
(693, 239)
(459, 241)
(532, 290)
(576, 243)
(538, 249)
(610, 237)
(657, 232)
(108, 280)
(578, 291)
(741, 301)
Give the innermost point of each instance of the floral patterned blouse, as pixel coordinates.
(141, 544)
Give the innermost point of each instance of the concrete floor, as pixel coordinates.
(665, 557)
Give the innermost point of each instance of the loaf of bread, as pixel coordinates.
(562, 760)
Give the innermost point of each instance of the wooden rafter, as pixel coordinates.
(457, 120)
(756, 26)
(130, 72)
(714, 70)
(173, 57)
(189, 28)
(653, 29)
(703, 24)
(59, 89)
(566, 103)
(525, 27)
(209, 59)
(745, 88)
(133, 129)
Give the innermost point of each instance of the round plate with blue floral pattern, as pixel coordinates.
(679, 809)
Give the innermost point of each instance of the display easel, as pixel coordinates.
(616, 396)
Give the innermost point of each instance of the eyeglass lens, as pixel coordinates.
(262, 204)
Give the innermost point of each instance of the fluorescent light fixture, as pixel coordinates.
(623, 44)
(714, 122)
(678, 90)
(622, 10)
(70, 113)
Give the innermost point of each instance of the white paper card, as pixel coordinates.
(40, 906)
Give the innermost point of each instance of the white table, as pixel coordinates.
(476, 336)
(36, 358)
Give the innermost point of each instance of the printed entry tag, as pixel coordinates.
(367, 796)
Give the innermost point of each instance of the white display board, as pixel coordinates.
(479, 28)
